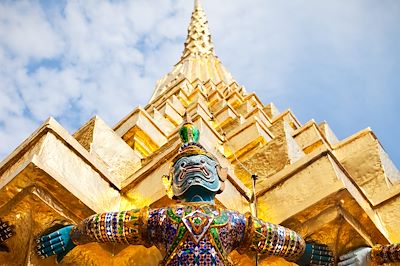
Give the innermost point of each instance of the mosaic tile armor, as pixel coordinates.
(385, 254)
(191, 234)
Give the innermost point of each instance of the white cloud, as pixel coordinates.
(104, 57)
(25, 32)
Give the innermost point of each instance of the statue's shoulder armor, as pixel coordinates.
(229, 216)
(174, 213)
(222, 218)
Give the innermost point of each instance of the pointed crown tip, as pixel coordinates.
(187, 118)
(197, 4)
(188, 132)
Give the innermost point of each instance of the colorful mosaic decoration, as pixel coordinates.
(197, 223)
(115, 227)
(385, 254)
(193, 234)
(267, 236)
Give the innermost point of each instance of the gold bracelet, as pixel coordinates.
(248, 235)
(376, 254)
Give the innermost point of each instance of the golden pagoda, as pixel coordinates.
(342, 193)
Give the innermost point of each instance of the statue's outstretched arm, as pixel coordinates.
(126, 227)
(275, 240)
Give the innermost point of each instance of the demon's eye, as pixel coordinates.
(202, 161)
(183, 164)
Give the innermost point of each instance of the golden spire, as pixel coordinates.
(198, 41)
(198, 60)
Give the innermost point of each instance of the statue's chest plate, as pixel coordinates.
(191, 235)
(197, 224)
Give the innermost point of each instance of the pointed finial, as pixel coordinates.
(197, 4)
(189, 133)
(188, 118)
(198, 41)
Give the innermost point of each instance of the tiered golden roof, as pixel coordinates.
(339, 192)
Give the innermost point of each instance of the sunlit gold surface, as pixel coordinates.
(343, 193)
(110, 149)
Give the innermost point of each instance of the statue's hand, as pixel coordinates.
(6, 231)
(359, 257)
(57, 243)
(316, 254)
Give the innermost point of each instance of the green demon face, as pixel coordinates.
(195, 171)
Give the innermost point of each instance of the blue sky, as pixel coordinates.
(333, 60)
